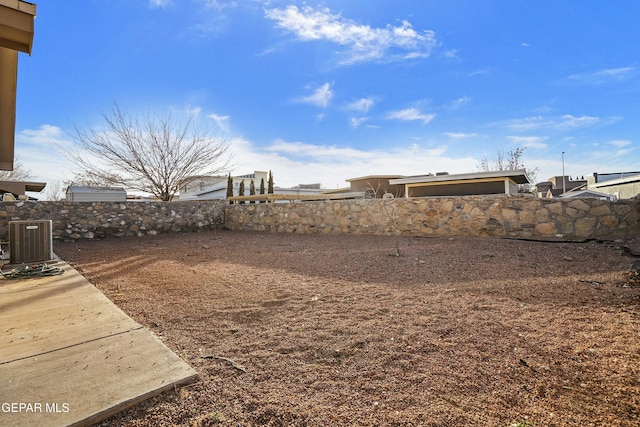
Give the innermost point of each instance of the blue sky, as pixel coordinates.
(327, 91)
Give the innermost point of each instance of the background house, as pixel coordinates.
(467, 184)
(557, 185)
(590, 194)
(200, 188)
(215, 187)
(376, 186)
(621, 185)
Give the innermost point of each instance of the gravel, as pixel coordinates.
(317, 330)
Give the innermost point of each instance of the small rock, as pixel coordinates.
(567, 258)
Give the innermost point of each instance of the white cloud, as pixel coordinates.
(363, 105)
(45, 135)
(300, 149)
(570, 122)
(357, 121)
(460, 135)
(604, 76)
(451, 54)
(320, 97)
(219, 4)
(619, 143)
(362, 42)
(295, 163)
(160, 3)
(193, 111)
(564, 122)
(411, 114)
(535, 142)
(221, 121)
(479, 72)
(458, 103)
(40, 151)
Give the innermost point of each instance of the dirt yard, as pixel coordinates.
(310, 330)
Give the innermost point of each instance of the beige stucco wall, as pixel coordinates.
(622, 191)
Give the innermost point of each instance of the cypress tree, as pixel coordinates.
(230, 187)
(252, 190)
(241, 191)
(270, 184)
(262, 189)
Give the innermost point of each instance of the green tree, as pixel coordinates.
(241, 190)
(252, 189)
(262, 189)
(270, 184)
(229, 186)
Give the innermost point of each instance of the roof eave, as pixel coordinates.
(519, 176)
(17, 25)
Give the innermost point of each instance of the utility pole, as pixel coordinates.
(564, 186)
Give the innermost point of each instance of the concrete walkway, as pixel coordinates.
(69, 356)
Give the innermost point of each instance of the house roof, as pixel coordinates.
(624, 180)
(215, 188)
(364, 178)
(16, 25)
(21, 187)
(519, 176)
(586, 193)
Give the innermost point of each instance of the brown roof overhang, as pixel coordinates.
(21, 187)
(16, 25)
(16, 35)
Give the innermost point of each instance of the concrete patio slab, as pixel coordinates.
(69, 356)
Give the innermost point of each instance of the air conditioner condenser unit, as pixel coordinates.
(30, 241)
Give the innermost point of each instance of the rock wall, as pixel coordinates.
(501, 216)
(92, 220)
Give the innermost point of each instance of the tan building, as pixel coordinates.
(621, 185)
(466, 184)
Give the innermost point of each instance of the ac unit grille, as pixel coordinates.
(30, 241)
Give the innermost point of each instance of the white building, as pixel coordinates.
(81, 193)
(215, 187)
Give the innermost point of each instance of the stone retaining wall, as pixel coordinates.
(90, 220)
(501, 216)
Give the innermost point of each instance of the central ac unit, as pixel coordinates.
(30, 241)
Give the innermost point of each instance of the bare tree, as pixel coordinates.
(153, 154)
(19, 173)
(89, 179)
(509, 161)
(55, 191)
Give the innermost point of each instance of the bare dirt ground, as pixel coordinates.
(310, 330)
